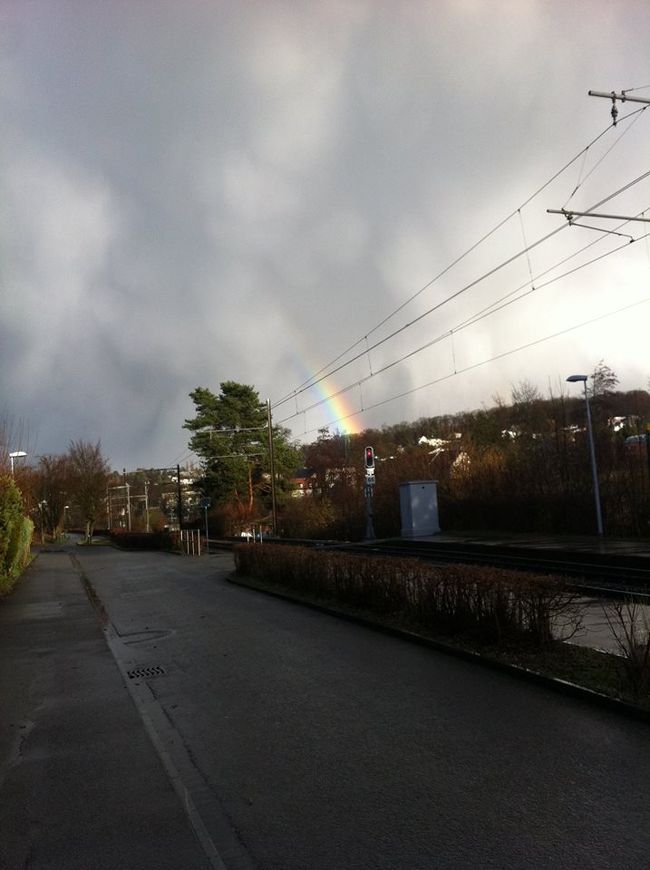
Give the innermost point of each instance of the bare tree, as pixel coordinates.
(604, 380)
(14, 436)
(51, 490)
(88, 475)
(629, 623)
(525, 393)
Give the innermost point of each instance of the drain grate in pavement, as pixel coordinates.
(146, 672)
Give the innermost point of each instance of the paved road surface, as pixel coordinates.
(81, 786)
(332, 746)
(302, 742)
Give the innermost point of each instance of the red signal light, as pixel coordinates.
(370, 458)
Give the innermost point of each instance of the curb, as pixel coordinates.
(558, 685)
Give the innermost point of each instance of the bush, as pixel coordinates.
(491, 605)
(629, 624)
(15, 534)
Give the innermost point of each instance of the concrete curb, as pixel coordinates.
(558, 685)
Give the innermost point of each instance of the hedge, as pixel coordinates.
(492, 605)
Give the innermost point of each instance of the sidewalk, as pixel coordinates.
(81, 786)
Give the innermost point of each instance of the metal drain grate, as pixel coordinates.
(146, 672)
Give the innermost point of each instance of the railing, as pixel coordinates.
(190, 542)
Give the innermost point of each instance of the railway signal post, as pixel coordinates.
(369, 492)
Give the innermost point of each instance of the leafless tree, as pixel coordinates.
(88, 476)
(50, 489)
(629, 622)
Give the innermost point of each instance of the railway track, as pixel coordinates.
(591, 573)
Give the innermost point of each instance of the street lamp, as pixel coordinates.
(572, 379)
(17, 454)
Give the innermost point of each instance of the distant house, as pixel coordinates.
(302, 482)
(439, 445)
(618, 423)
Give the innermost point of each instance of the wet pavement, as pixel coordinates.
(313, 743)
(81, 786)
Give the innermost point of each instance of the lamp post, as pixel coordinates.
(592, 450)
(17, 454)
(41, 505)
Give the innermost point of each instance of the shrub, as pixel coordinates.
(15, 534)
(491, 605)
(629, 624)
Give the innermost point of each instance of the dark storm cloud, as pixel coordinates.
(211, 191)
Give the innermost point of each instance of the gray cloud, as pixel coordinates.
(217, 191)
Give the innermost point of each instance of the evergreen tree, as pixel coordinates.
(230, 435)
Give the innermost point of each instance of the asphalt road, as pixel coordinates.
(309, 743)
(81, 786)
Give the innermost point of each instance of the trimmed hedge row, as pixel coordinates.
(492, 605)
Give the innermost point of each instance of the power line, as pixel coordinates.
(581, 181)
(325, 371)
(493, 308)
(456, 294)
(485, 362)
(429, 311)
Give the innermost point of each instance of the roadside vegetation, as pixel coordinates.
(15, 534)
(52, 492)
(521, 465)
(511, 617)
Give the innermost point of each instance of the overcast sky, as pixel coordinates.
(205, 191)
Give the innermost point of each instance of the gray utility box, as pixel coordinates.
(418, 500)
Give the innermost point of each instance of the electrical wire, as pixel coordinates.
(486, 362)
(471, 321)
(638, 113)
(324, 371)
(458, 293)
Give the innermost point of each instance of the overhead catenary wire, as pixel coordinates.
(327, 371)
(459, 292)
(471, 321)
(484, 362)
(581, 180)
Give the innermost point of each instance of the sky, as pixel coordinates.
(289, 195)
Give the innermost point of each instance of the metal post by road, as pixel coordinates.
(180, 497)
(594, 469)
(146, 504)
(128, 505)
(272, 468)
(370, 529)
(207, 536)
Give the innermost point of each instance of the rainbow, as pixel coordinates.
(340, 410)
(319, 403)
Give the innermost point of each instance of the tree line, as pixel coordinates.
(518, 465)
(63, 490)
(521, 464)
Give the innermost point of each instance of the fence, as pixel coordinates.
(191, 542)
